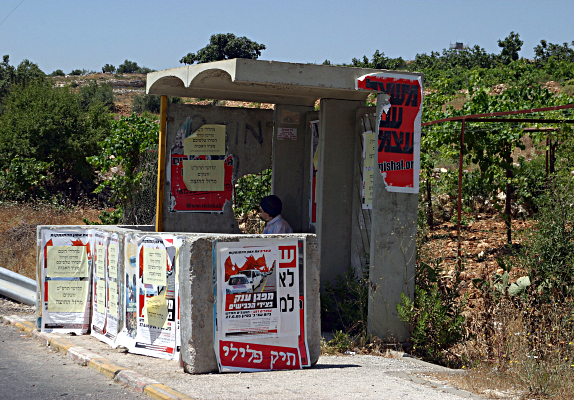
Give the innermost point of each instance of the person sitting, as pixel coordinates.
(270, 208)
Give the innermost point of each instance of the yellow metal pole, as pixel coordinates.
(161, 164)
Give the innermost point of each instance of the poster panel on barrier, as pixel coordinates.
(150, 327)
(100, 286)
(114, 287)
(66, 265)
(259, 316)
(399, 115)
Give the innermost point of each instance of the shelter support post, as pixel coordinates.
(291, 164)
(334, 187)
(161, 164)
(392, 259)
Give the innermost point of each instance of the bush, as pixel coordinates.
(44, 123)
(77, 72)
(344, 306)
(23, 178)
(132, 67)
(108, 68)
(435, 316)
(249, 190)
(119, 162)
(150, 103)
(58, 72)
(548, 253)
(93, 93)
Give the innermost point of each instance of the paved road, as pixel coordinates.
(29, 370)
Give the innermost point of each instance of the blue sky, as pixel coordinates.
(81, 34)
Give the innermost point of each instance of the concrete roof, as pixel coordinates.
(261, 81)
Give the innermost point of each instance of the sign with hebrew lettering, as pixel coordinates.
(260, 314)
(66, 264)
(204, 175)
(191, 191)
(208, 140)
(399, 114)
(150, 296)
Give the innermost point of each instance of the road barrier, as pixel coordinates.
(17, 287)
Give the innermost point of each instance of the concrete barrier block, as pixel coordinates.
(197, 300)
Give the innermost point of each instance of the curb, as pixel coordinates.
(103, 366)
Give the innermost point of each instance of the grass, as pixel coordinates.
(18, 223)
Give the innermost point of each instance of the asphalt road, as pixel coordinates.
(30, 370)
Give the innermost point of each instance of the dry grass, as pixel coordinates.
(18, 231)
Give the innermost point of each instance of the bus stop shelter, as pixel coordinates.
(317, 168)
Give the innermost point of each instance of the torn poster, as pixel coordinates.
(399, 114)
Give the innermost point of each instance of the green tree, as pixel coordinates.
(510, 46)
(93, 93)
(128, 67)
(77, 72)
(225, 46)
(58, 72)
(119, 161)
(379, 61)
(47, 124)
(108, 68)
(545, 50)
(150, 102)
(23, 74)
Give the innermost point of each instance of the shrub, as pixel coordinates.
(23, 178)
(249, 190)
(150, 103)
(47, 124)
(119, 162)
(93, 93)
(108, 68)
(344, 306)
(77, 72)
(58, 72)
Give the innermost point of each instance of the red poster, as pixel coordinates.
(185, 200)
(400, 108)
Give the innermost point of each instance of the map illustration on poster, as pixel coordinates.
(399, 114)
(260, 314)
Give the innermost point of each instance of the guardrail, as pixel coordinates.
(18, 287)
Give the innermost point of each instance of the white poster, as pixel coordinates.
(66, 264)
(150, 327)
(260, 311)
(99, 286)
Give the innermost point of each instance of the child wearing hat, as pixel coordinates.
(270, 208)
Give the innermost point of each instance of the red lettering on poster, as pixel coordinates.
(397, 136)
(185, 200)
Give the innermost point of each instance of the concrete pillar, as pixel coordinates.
(291, 165)
(335, 185)
(393, 253)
